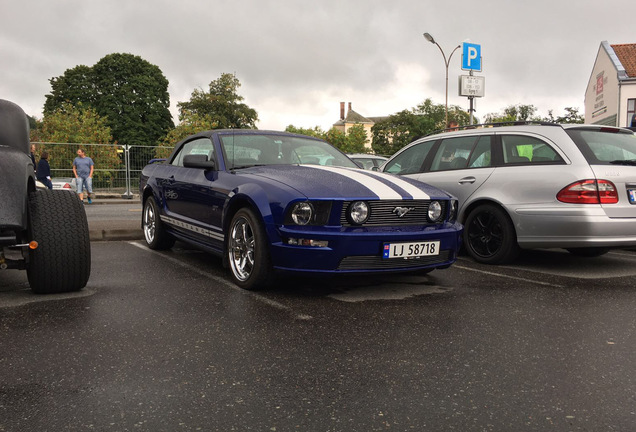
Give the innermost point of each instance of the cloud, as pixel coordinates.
(296, 60)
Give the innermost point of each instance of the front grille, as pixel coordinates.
(375, 262)
(383, 213)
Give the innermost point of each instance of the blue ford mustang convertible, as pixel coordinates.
(269, 201)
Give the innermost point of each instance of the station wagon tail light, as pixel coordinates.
(589, 192)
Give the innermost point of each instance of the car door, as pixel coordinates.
(460, 165)
(193, 194)
(526, 175)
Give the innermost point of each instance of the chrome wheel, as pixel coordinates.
(149, 222)
(241, 248)
(154, 232)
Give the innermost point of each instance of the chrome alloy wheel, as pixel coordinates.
(241, 248)
(149, 222)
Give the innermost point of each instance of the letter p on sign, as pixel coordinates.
(471, 57)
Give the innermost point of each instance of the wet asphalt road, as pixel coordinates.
(163, 342)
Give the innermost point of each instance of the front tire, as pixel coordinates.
(62, 260)
(489, 236)
(154, 232)
(248, 251)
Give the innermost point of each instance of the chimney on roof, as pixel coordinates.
(342, 112)
(349, 106)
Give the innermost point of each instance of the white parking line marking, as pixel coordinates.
(508, 277)
(225, 283)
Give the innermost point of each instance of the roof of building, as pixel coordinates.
(626, 54)
(354, 117)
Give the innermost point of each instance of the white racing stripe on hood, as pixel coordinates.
(414, 191)
(382, 190)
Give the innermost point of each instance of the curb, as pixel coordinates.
(115, 234)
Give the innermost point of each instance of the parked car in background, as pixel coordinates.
(42, 231)
(532, 186)
(367, 161)
(268, 201)
(67, 184)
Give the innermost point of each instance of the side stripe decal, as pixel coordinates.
(203, 231)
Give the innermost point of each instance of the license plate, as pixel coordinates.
(410, 250)
(632, 195)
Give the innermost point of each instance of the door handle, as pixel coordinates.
(465, 180)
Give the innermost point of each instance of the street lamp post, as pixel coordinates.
(446, 63)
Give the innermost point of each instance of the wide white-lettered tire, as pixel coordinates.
(248, 251)
(62, 260)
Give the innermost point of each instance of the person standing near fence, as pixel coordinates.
(83, 167)
(43, 173)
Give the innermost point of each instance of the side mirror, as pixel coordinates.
(375, 168)
(198, 161)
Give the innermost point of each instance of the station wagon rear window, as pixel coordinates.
(605, 146)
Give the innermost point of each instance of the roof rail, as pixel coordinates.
(493, 125)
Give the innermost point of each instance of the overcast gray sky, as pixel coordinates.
(297, 60)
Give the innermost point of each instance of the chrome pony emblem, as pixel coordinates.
(401, 211)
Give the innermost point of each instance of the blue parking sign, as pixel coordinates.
(471, 57)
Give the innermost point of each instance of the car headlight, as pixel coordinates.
(358, 212)
(434, 211)
(302, 213)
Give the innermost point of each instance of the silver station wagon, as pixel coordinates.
(532, 185)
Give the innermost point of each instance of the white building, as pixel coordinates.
(610, 97)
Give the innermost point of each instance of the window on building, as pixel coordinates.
(631, 112)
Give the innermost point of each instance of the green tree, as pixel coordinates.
(315, 132)
(131, 93)
(190, 125)
(355, 140)
(351, 142)
(400, 129)
(76, 86)
(336, 138)
(221, 103)
(74, 124)
(571, 116)
(514, 113)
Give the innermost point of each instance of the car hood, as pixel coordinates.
(324, 182)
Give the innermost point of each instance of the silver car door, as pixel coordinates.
(460, 166)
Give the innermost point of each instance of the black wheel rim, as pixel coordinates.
(485, 235)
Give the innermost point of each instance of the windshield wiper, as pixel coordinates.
(631, 162)
(247, 166)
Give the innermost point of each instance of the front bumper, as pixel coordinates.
(359, 250)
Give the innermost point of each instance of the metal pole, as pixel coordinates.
(446, 64)
(127, 194)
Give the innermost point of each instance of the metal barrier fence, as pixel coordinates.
(117, 167)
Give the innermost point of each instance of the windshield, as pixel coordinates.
(604, 147)
(245, 150)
